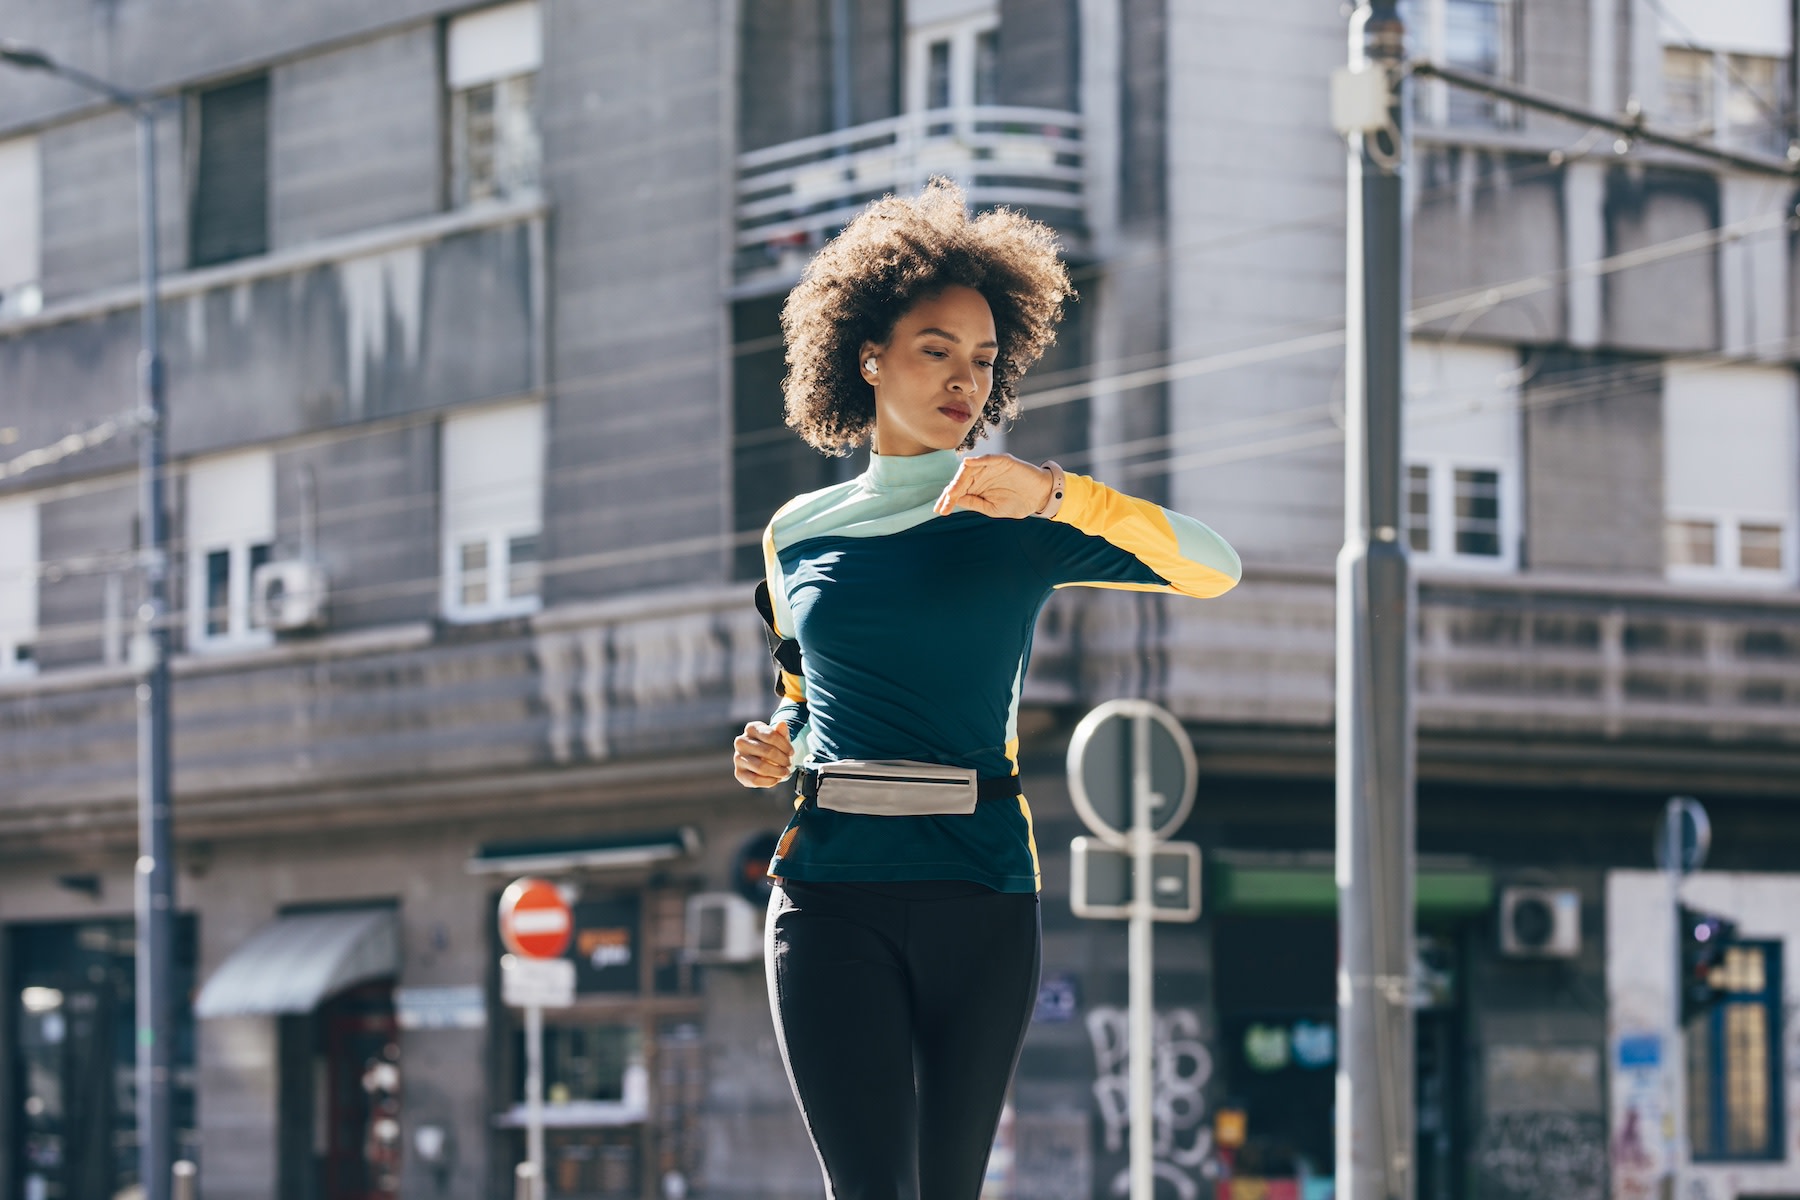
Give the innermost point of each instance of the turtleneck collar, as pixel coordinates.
(888, 472)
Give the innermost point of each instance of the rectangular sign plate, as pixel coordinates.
(1100, 881)
(537, 982)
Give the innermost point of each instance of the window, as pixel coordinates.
(1734, 1061)
(1729, 447)
(230, 530)
(1473, 35)
(18, 586)
(492, 67)
(229, 172)
(1725, 71)
(21, 234)
(1462, 455)
(954, 64)
(493, 512)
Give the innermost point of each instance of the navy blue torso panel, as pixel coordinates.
(915, 631)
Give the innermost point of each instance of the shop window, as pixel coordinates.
(624, 1079)
(21, 234)
(18, 586)
(230, 508)
(492, 65)
(73, 999)
(1462, 440)
(1730, 489)
(229, 172)
(1735, 1109)
(493, 512)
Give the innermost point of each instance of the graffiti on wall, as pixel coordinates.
(1525, 1156)
(1182, 1068)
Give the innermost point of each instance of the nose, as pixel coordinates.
(962, 379)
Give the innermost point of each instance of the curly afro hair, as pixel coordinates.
(897, 252)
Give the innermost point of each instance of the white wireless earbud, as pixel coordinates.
(869, 366)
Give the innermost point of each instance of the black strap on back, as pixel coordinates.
(990, 787)
(784, 650)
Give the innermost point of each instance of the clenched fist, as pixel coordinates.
(762, 756)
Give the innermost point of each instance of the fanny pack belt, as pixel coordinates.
(898, 788)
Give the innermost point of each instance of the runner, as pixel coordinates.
(903, 937)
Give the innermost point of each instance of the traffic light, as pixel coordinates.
(1704, 937)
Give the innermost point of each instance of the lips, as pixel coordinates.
(956, 412)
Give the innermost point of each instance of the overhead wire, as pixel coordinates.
(1585, 383)
(1435, 309)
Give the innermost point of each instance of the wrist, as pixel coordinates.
(1053, 500)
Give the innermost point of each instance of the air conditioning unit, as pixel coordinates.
(288, 595)
(723, 927)
(1540, 922)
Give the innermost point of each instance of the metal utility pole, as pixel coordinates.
(1375, 602)
(155, 875)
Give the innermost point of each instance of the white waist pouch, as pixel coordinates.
(896, 788)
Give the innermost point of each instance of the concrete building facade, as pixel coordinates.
(471, 324)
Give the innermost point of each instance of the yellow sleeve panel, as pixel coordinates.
(1196, 561)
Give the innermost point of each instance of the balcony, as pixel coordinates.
(792, 197)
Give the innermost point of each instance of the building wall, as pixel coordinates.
(1594, 464)
(1639, 976)
(85, 537)
(637, 144)
(356, 137)
(91, 201)
(1237, 281)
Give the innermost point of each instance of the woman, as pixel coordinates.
(903, 935)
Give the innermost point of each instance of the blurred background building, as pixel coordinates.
(471, 322)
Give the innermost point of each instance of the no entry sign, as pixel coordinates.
(534, 919)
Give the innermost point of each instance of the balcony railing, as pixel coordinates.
(793, 196)
(1557, 680)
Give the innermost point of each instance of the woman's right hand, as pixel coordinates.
(762, 756)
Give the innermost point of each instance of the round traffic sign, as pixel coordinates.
(1105, 754)
(535, 921)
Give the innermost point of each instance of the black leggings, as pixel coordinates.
(900, 1009)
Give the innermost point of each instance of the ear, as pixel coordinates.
(868, 356)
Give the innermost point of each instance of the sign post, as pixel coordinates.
(1681, 846)
(1132, 776)
(535, 925)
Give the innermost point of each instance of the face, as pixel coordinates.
(933, 377)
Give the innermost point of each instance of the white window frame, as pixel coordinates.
(1441, 523)
(19, 564)
(499, 48)
(1728, 519)
(242, 485)
(22, 232)
(519, 516)
(1427, 407)
(963, 34)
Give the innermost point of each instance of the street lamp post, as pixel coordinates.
(155, 875)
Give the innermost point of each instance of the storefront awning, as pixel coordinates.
(296, 961)
(592, 853)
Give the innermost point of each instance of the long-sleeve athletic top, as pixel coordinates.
(915, 631)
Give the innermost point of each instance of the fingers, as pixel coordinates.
(762, 755)
(996, 485)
